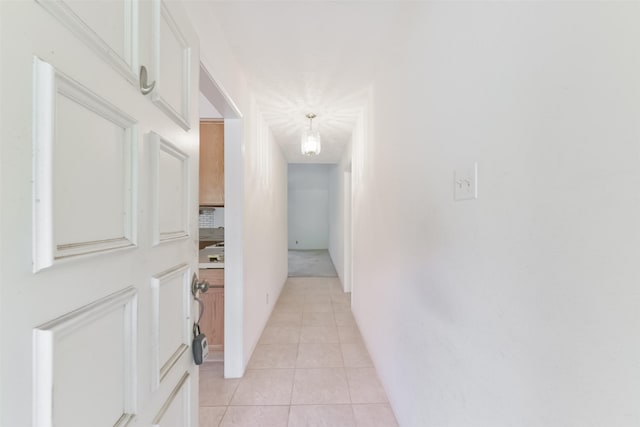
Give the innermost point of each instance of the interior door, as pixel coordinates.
(99, 213)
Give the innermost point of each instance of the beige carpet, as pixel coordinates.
(311, 263)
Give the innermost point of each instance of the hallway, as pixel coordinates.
(310, 368)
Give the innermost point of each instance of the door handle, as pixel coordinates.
(198, 286)
(144, 87)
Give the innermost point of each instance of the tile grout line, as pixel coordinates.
(353, 412)
(295, 368)
(344, 364)
(224, 414)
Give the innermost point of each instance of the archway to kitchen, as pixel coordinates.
(216, 97)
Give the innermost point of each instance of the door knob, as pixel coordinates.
(198, 285)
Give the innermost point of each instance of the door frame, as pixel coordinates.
(234, 221)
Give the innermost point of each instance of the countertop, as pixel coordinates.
(212, 234)
(205, 262)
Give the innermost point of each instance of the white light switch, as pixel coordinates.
(465, 183)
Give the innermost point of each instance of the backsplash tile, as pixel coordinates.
(211, 218)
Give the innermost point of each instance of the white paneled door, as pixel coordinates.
(99, 213)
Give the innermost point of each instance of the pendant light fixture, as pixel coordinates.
(310, 143)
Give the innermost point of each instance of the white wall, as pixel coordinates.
(308, 206)
(255, 182)
(266, 263)
(519, 308)
(337, 204)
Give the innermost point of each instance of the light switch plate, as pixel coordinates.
(465, 183)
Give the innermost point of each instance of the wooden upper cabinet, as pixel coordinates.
(211, 163)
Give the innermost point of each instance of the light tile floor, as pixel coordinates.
(310, 368)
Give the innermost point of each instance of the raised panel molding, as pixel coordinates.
(158, 147)
(160, 368)
(179, 113)
(47, 337)
(126, 63)
(181, 394)
(50, 87)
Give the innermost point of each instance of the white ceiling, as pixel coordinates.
(308, 57)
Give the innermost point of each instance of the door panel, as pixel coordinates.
(171, 331)
(85, 166)
(98, 235)
(110, 28)
(175, 410)
(172, 71)
(69, 374)
(170, 190)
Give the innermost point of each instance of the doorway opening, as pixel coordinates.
(232, 300)
(308, 199)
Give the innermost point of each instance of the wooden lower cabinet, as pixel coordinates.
(212, 323)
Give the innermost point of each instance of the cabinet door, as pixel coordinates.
(211, 163)
(212, 323)
(217, 331)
